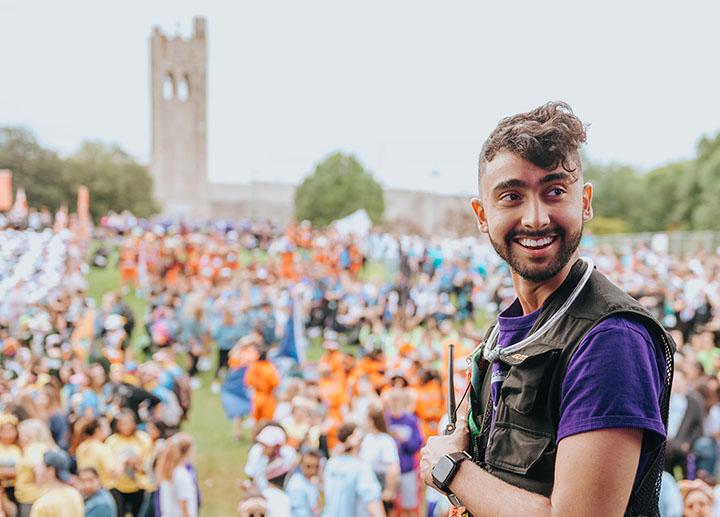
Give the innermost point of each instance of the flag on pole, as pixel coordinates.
(293, 343)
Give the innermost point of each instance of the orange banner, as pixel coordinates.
(6, 198)
(83, 202)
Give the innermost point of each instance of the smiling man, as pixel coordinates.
(568, 404)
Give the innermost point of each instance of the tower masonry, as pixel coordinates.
(178, 93)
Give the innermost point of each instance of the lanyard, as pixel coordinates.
(489, 348)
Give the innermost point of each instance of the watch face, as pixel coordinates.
(442, 470)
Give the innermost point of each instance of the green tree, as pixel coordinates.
(339, 186)
(604, 225)
(666, 198)
(669, 197)
(116, 181)
(38, 171)
(616, 191)
(706, 215)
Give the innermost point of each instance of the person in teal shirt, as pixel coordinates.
(98, 501)
(350, 485)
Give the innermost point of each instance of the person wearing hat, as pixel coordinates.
(61, 499)
(268, 464)
(269, 455)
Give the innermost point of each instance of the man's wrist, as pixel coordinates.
(458, 475)
(445, 470)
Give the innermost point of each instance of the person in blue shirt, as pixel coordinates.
(226, 335)
(302, 487)
(350, 485)
(98, 501)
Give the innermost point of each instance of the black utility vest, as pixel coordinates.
(521, 448)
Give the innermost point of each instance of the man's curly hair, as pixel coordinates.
(548, 137)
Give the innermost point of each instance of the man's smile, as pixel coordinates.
(537, 243)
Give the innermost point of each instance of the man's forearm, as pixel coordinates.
(487, 496)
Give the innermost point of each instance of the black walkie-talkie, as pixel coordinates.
(452, 417)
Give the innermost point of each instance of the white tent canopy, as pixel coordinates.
(358, 223)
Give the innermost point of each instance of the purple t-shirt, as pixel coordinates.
(614, 379)
(407, 426)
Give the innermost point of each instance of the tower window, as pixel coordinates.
(184, 88)
(168, 87)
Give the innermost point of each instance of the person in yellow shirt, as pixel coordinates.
(133, 448)
(61, 499)
(10, 454)
(93, 452)
(35, 440)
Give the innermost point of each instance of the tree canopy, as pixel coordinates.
(338, 187)
(116, 181)
(678, 196)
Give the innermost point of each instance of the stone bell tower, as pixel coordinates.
(178, 93)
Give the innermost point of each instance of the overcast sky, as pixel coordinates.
(412, 88)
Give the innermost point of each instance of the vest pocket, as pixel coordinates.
(525, 381)
(516, 449)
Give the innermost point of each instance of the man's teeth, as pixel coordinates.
(536, 243)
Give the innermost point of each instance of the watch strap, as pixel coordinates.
(454, 500)
(456, 458)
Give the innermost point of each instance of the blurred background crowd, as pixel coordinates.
(327, 350)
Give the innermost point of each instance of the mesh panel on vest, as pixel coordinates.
(644, 500)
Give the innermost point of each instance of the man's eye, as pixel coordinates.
(509, 197)
(557, 191)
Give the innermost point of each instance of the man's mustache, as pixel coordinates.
(516, 234)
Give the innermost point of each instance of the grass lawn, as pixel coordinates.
(220, 459)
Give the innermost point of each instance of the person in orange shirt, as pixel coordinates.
(128, 263)
(333, 358)
(356, 259)
(430, 403)
(332, 391)
(287, 259)
(263, 377)
(334, 394)
(372, 365)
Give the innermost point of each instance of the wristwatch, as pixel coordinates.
(444, 472)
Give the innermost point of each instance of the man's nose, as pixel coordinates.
(537, 214)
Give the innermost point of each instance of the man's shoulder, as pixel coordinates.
(619, 338)
(298, 481)
(63, 496)
(632, 326)
(346, 463)
(100, 498)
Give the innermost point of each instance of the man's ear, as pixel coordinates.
(587, 201)
(480, 214)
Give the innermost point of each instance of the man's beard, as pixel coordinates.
(566, 248)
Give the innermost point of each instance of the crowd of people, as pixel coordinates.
(330, 350)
